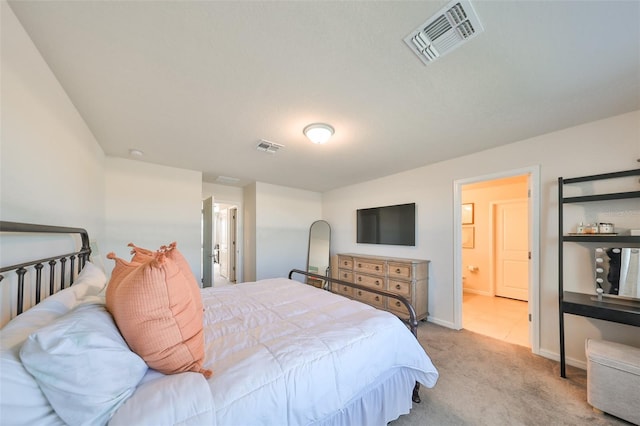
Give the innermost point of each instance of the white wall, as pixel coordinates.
(249, 229)
(283, 218)
(52, 168)
(225, 193)
(598, 147)
(152, 205)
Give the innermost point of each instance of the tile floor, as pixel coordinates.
(497, 317)
(218, 280)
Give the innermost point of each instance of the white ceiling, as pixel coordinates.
(196, 84)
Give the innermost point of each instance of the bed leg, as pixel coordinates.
(416, 393)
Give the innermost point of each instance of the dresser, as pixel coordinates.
(404, 277)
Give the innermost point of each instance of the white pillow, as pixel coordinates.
(83, 365)
(90, 283)
(21, 400)
(176, 399)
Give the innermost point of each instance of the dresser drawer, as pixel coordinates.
(345, 275)
(369, 298)
(342, 289)
(369, 280)
(400, 270)
(345, 262)
(369, 266)
(397, 307)
(403, 288)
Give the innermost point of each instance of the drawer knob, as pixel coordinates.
(377, 282)
(346, 263)
(359, 293)
(377, 298)
(398, 271)
(345, 288)
(377, 268)
(359, 278)
(398, 287)
(398, 304)
(359, 265)
(344, 275)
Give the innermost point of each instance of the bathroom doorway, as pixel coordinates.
(497, 277)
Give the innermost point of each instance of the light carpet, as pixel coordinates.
(484, 381)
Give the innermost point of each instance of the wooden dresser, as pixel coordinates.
(405, 277)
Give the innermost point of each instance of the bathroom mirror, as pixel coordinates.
(318, 258)
(618, 271)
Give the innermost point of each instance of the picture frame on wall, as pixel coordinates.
(468, 237)
(467, 214)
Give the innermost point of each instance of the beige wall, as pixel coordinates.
(283, 217)
(249, 229)
(597, 147)
(152, 205)
(52, 168)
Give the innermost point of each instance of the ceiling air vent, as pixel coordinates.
(448, 29)
(227, 179)
(269, 147)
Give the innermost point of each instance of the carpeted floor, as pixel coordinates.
(484, 381)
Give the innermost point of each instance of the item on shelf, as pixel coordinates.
(589, 228)
(635, 232)
(605, 228)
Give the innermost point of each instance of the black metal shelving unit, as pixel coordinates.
(580, 303)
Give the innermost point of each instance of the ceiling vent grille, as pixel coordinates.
(227, 179)
(445, 31)
(268, 147)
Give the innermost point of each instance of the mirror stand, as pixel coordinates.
(318, 256)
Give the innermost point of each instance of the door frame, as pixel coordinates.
(534, 244)
(232, 220)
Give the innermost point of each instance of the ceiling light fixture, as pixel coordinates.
(318, 132)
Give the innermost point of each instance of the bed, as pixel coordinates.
(281, 352)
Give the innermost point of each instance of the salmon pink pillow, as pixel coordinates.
(153, 305)
(142, 255)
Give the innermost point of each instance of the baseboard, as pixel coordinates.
(479, 292)
(570, 361)
(442, 323)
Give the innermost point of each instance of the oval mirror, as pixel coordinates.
(318, 257)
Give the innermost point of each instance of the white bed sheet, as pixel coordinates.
(287, 353)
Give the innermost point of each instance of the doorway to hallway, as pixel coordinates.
(219, 243)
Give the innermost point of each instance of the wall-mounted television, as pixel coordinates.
(393, 225)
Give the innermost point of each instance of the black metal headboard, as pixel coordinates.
(82, 255)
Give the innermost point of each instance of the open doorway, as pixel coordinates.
(219, 242)
(495, 246)
(224, 249)
(497, 256)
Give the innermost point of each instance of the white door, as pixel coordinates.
(222, 228)
(511, 245)
(207, 242)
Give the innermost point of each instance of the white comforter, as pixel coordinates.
(285, 353)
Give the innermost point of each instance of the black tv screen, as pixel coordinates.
(393, 225)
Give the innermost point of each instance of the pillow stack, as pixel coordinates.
(156, 303)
